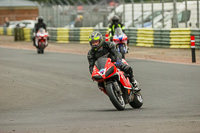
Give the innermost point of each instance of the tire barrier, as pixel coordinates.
(132, 35)
(196, 33)
(9, 31)
(18, 34)
(146, 37)
(84, 34)
(180, 38)
(74, 35)
(161, 38)
(1, 31)
(62, 35)
(4, 30)
(52, 34)
(28, 34)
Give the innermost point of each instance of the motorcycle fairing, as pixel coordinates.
(41, 36)
(104, 73)
(124, 80)
(124, 61)
(120, 39)
(107, 70)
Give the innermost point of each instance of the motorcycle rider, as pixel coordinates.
(38, 25)
(115, 24)
(100, 48)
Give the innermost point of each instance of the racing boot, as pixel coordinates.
(128, 70)
(135, 84)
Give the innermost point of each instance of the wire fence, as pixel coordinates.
(90, 16)
(151, 14)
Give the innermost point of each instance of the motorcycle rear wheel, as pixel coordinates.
(137, 101)
(115, 98)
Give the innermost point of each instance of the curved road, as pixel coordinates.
(53, 93)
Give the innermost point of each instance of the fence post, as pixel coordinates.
(193, 49)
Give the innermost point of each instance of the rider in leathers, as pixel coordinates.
(38, 25)
(100, 48)
(115, 23)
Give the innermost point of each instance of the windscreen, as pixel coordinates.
(100, 63)
(41, 30)
(118, 31)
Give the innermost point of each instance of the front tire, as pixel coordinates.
(42, 48)
(38, 50)
(115, 98)
(42, 51)
(122, 52)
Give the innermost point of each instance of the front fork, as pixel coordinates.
(127, 96)
(116, 85)
(124, 47)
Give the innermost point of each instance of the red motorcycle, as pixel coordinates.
(116, 84)
(41, 40)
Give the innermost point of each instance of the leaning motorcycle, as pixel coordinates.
(116, 84)
(41, 40)
(120, 40)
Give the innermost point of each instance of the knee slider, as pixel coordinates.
(129, 70)
(126, 68)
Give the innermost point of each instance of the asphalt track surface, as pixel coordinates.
(54, 93)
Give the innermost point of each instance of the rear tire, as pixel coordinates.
(137, 101)
(116, 100)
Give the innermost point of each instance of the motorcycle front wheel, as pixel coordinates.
(116, 99)
(41, 48)
(122, 52)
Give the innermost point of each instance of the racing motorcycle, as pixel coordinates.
(120, 40)
(41, 40)
(116, 84)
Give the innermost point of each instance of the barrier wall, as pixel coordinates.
(28, 34)
(146, 37)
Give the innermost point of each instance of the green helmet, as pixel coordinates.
(95, 36)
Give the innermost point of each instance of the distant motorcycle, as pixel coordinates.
(41, 40)
(116, 84)
(121, 41)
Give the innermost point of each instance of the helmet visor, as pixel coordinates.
(95, 42)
